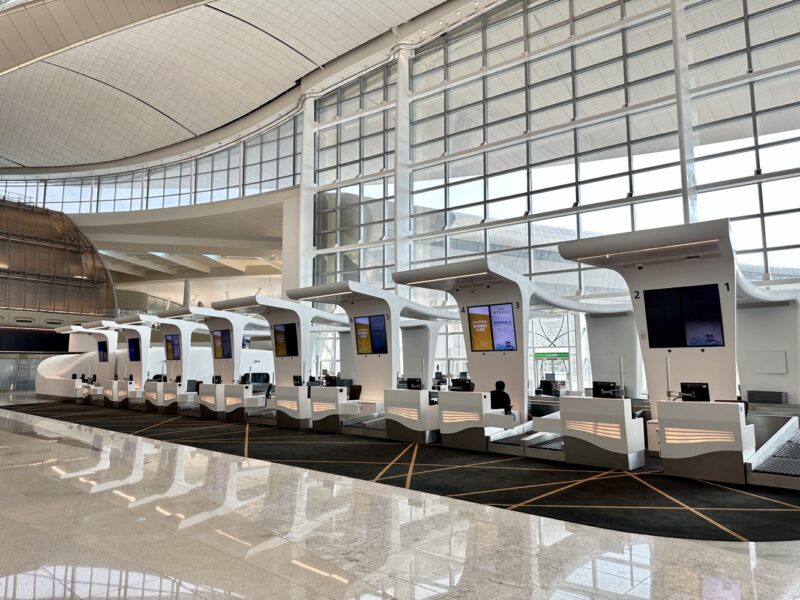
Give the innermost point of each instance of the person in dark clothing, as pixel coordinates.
(499, 397)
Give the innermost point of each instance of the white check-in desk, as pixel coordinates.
(292, 407)
(705, 440)
(410, 417)
(468, 421)
(166, 397)
(116, 392)
(227, 401)
(601, 432)
(330, 406)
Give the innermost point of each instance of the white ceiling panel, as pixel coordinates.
(52, 116)
(150, 77)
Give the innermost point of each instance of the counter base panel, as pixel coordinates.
(290, 422)
(211, 415)
(725, 466)
(581, 452)
(237, 415)
(169, 409)
(786, 482)
(472, 438)
(329, 424)
(401, 433)
(149, 406)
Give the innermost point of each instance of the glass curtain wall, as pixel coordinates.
(546, 121)
(264, 162)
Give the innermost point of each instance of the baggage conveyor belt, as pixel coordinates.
(786, 461)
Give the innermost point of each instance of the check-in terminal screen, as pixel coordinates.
(491, 328)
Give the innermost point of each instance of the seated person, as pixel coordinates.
(500, 399)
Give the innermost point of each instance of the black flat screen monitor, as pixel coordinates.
(695, 392)
(491, 328)
(371, 335)
(134, 350)
(284, 339)
(605, 389)
(414, 383)
(102, 351)
(330, 381)
(221, 342)
(297, 380)
(684, 317)
(172, 346)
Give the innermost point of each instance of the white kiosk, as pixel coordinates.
(292, 325)
(493, 304)
(71, 377)
(227, 397)
(682, 282)
(374, 316)
(179, 364)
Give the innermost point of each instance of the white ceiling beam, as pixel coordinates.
(231, 264)
(183, 261)
(138, 262)
(119, 267)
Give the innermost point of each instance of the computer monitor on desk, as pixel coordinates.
(461, 385)
(606, 389)
(330, 381)
(695, 392)
(297, 380)
(414, 383)
(551, 388)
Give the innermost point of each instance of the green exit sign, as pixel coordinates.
(564, 355)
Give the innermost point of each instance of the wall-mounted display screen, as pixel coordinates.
(134, 350)
(371, 335)
(491, 328)
(102, 351)
(284, 340)
(684, 317)
(172, 346)
(221, 343)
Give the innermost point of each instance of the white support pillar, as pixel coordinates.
(684, 105)
(402, 164)
(298, 214)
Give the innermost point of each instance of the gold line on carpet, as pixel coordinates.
(693, 510)
(451, 467)
(525, 487)
(394, 460)
(411, 466)
(725, 487)
(561, 489)
(154, 425)
(246, 439)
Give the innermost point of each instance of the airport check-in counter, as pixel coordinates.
(410, 416)
(600, 432)
(227, 402)
(330, 406)
(468, 421)
(292, 407)
(705, 440)
(117, 393)
(166, 397)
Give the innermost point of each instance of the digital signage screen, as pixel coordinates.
(102, 351)
(284, 340)
(684, 317)
(491, 328)
(371, 335)
(172, 346)
(221, 343)
(134, 350)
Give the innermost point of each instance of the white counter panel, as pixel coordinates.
(326, 401)
(462, 410)
(294, 401)
(687, 429)
(604, 422)
(412, 409)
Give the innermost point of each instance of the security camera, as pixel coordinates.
(640, 267)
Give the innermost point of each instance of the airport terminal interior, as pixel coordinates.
(400, 299)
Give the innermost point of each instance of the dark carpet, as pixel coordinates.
(642, 501)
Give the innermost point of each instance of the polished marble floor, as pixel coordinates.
(89, 513)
